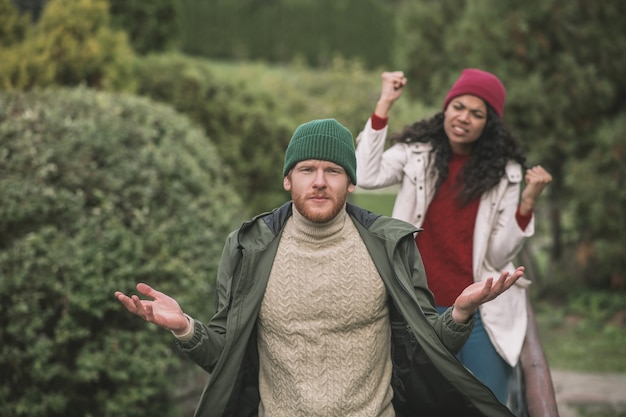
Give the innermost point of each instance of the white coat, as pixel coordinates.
(497, 236)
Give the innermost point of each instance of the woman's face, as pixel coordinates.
(464, 121)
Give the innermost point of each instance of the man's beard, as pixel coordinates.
(316, 216)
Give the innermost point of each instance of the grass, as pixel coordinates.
(580, 337)
(599, 411)
(381, 203)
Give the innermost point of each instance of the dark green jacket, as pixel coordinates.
(427, 378)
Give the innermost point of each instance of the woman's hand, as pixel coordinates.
(392, 85)
(537, 178)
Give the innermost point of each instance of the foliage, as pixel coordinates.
(598, 410)
(420, 48)
(345, 91)
(152, 26)
(12, 25)
(599, 180)
(250, 135)
(98, 192)
(597, 307)
(71, 44)
(279, 31)
(32, 8)
(585, 332)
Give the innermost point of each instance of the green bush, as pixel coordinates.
(152, 26)
(32, 8)
(12, 24)
(244, 122)
(599, 181)
(98, 192)
(71, 44)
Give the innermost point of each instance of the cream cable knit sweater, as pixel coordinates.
(324, 336)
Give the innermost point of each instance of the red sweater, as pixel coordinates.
(446, 243)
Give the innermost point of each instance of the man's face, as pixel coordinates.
(319, 189)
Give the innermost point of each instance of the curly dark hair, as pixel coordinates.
(490, 153)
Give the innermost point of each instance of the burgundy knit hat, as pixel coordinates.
(480, 84)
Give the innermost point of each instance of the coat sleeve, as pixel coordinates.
(377, 168)
(506, 238)
(452, 334)
(208, 340)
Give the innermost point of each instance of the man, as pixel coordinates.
(323, 307)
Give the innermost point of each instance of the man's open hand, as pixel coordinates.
(161, 309)
(479, 293)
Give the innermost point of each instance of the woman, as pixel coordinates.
(460, 174)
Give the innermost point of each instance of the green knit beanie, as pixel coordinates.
(326, 140)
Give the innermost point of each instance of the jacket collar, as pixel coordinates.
(275, 220)
(258, 232)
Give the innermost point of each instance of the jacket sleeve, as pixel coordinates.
(506, 238)
(207, 342)
(452, 334)
(375, 167)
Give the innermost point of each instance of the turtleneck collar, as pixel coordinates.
(309, 231)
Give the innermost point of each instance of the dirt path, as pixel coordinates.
(599, 393)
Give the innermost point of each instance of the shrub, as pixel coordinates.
(12, 24)
(152, 26)
(244, 122)
(71, 44)
(598, 209)
(98, 192)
